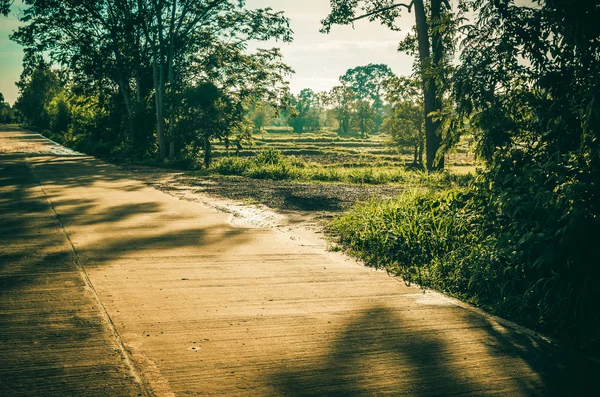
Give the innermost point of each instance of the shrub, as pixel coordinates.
(268, 156)
(231, 166)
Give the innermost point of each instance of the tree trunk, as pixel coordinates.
(437, 46)
(430, 94)
(416, 155)
(207, 152)
(160, 121)
(160, 110)
(157, 77)
(171, 81)
(124, 89)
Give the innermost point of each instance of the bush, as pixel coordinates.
(231, 166)
(281, 171)
(268, 157)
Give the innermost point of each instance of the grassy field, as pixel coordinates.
(326, 156)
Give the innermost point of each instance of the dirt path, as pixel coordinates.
(202, 306)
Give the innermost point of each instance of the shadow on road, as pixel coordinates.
(55, 341)
(382, 340)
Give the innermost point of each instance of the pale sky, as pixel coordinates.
(318, 59)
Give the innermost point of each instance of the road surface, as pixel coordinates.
(110, 287)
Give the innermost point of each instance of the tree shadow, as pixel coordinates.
(384, 351)
(53, 334)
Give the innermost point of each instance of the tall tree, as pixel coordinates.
(341, 98)
(304, 114)
(368, 83)
(180, 31)
(429, 42)
(97, 41)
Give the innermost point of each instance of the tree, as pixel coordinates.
(368, 83)
(260, 113)
(405, 126)
(405, 122)
(153, 50)
(341, 98)
(431, 45)
(207, 113)
(37, 88)
(179, 31)
(364, 117)
(7, 114)
(304, 113)
(100, 44)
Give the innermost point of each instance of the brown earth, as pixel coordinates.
(105, 281)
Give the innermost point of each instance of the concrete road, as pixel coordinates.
(109, 287)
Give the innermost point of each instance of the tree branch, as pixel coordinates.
(408, 7)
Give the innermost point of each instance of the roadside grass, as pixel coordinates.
(427, 237)
(470, 243)
(438, 240)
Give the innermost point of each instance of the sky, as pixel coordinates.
(318, 59)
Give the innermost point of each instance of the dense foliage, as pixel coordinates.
(520, 241)
(134, 67)
(8, 115)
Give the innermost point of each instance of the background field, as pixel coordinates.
(330, 150)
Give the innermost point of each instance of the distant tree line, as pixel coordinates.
(369, 99)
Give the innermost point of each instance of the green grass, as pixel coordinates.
(272, 164)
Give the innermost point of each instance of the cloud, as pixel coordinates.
(350, 45)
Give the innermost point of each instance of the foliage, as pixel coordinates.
(8, 115)
(537, 125)
(364, 117)
(304, 113)
(5, 7)
(405, 122)
(139, 58)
